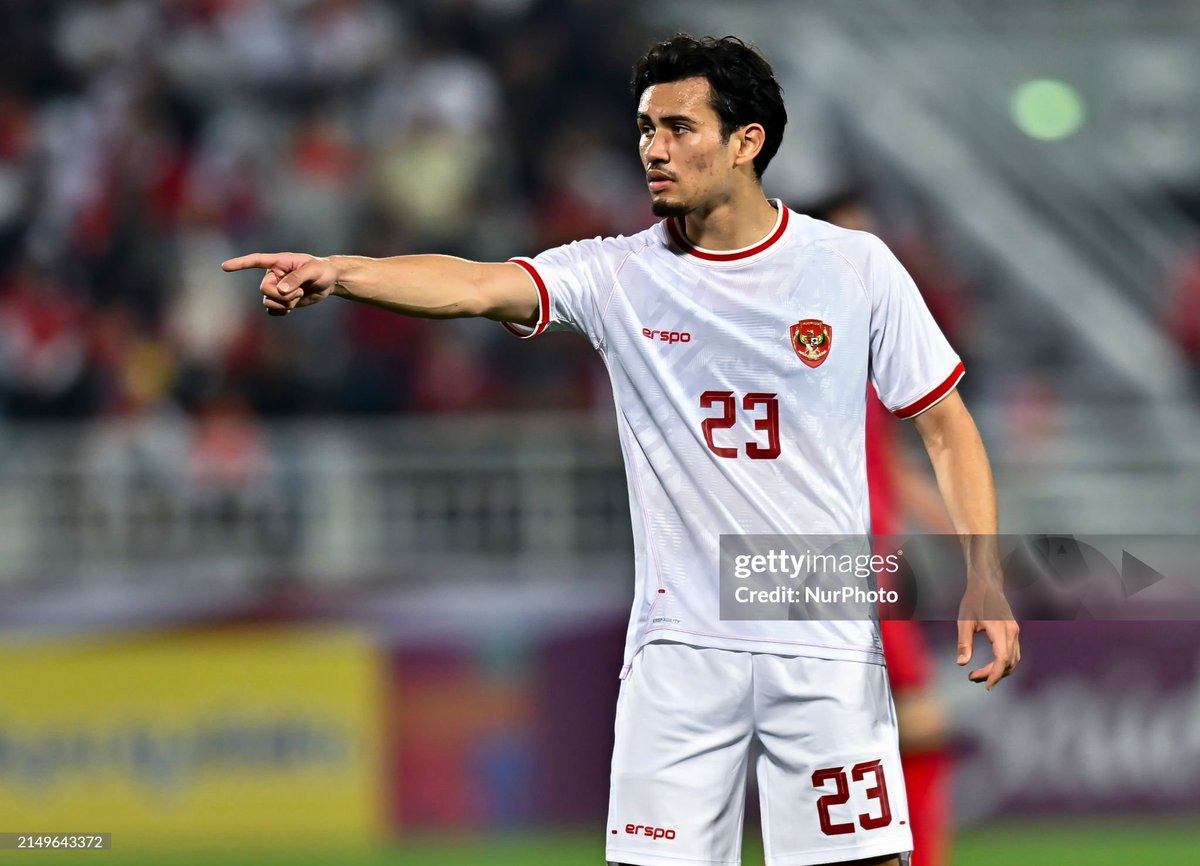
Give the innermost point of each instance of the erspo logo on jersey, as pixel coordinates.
(667, 336)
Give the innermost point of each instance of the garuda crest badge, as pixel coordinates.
(812, 338)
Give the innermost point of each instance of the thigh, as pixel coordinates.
(830, 782)
(684, 724)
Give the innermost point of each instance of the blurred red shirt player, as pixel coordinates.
(896, 488)
(898, 491)
(902, 494)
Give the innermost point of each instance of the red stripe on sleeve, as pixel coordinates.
(543, 302)
(918, 406)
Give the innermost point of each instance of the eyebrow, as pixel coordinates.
(667, 119)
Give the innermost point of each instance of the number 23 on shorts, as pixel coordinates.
(841, 795)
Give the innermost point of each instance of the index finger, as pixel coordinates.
(254, 260)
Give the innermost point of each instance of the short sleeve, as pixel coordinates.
(570, 282)
(912, 363)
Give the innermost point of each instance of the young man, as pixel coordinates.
(739, 337)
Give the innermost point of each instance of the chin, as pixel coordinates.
(667, 208)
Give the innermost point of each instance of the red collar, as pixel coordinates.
(675, 228)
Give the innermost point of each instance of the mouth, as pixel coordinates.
(658, 180)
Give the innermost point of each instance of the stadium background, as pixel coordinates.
(351, 588)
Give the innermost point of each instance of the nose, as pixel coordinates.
(655, 149)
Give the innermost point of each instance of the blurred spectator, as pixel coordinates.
(16, 158)
(232, 474)
(43, 344)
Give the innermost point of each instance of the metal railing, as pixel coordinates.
(499, 498)
(331, 501)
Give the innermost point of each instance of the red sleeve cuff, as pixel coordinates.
(524, 331)
(916, 407)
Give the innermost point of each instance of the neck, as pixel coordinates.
(737, 222)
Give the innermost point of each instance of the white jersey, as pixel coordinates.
(739, 379)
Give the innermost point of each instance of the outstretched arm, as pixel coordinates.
(964, 477)
(432, 287)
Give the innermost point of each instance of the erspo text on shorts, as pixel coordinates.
(649, 831)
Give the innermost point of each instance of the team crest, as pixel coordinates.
(811, 338)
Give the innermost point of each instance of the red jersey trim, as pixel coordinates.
(916, 407)
(675, 228)
(524, 331)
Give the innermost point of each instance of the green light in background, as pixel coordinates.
(1048, 109)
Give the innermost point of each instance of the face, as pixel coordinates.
(687, 164)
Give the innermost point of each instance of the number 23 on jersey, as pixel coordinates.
(762, 408)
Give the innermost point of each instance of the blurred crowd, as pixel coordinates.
(142, 142)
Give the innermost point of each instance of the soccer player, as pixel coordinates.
(739, 337)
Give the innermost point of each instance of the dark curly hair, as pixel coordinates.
(744, 89)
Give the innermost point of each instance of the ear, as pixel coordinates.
(749, 139)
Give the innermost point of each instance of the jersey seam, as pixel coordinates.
(862, 283)
(612, 292)
(636, 477)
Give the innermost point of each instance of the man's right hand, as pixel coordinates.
(291, 280)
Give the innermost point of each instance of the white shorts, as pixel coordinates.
(830, 784)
